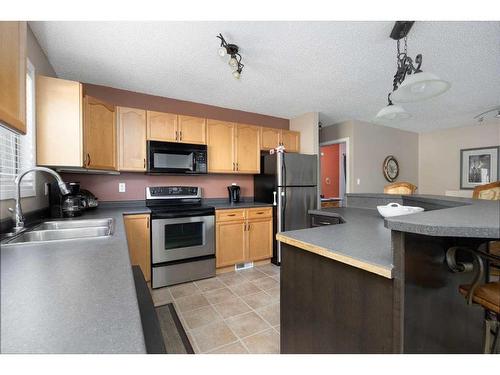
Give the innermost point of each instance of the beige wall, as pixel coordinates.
(307, 125)
(439, 161)
(42, 66)
(369, 145)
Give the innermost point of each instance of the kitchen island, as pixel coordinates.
(371, 285)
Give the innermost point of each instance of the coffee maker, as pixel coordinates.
(70, 205)
(234, 193)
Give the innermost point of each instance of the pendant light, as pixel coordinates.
(410, 83)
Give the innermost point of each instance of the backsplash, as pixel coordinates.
(105, 187)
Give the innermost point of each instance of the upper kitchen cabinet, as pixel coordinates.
(220, 146)
(13, 75)
(162, 126)
(131, 124)
(59, 122)
(247, 147)
(192, 129)
(270, 138)
(99, 134)
(291, 140)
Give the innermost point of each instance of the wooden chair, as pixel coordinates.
(400, 188)
(487, 191)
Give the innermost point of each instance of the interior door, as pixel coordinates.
(247, 148)
(99, 131)
(297, 201)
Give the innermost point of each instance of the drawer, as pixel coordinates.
(318, 220)
(230, 215)
(259, 213)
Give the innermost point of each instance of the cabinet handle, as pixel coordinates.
(248, 227)
(260, 212)
(180, 135)
(237, 166)
(144, 162)
(148, 222)
(87, 161)
(234, 166)
(231, 215)
(176, 135)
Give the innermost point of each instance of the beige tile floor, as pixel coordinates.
(235, 312)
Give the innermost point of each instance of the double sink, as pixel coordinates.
(64, 230)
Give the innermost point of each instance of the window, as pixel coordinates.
(17, 152)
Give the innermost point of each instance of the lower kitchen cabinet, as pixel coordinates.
(137, 228)
(243, 235)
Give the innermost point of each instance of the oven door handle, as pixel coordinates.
(176, 215)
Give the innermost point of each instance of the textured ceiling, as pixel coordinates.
(343, 70)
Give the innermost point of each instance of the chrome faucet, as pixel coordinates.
(18, 213)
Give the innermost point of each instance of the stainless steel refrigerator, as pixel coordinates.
(289, 181)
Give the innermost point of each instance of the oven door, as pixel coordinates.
(182, 238)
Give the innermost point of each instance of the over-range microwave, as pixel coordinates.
(177, 158)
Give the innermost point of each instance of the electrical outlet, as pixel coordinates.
(358, 181)
(121, 187)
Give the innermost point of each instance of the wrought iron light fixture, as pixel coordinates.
(480, 117)
(410, 83)
(235, 59)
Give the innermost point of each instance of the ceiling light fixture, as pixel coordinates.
(231, 50)
(410, 83)
(480, 117)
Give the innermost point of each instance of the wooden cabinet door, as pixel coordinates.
(192, 130)
(247, 149)
(260, 239)
(99, 131)
(138, 240)
(220, 146)
(59, 116)
(162, 126)
(13, 75)
(230, 243)
(270, 138)
(132, 139)
(291, 140)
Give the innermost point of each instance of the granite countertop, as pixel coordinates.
(362, 241)
(72, 296)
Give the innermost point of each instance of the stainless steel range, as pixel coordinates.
(182, 235)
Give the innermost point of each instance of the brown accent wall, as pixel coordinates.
(105, 187)
(161, 104)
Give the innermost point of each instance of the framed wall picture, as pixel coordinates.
(479, 166)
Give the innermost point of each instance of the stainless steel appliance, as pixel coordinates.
(289, 181)
(182, 235)
(234, 193)
(177, 158)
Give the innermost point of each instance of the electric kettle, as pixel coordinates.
(234, 193)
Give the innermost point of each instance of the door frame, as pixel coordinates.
(347, 142)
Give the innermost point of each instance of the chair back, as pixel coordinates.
(400, 188)
(488, 191)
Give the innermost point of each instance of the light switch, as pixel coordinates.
(121, 187)
(358, 181)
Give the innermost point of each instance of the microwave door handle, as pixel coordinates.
(193, 169)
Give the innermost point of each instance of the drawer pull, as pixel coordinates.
(260, 212)
(231, 215)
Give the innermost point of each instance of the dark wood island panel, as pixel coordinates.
(331, 307)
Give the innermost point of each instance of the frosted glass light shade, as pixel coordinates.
(392, 113)
(419, 86)
(222, 51)
(233, 62)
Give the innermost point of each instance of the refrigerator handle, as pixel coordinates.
(274, 199)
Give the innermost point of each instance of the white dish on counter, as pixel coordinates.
(395, 209)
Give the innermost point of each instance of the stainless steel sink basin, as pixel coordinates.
(68, 224)
(64, 230)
